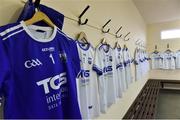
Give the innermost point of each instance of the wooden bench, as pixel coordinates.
(145, 104)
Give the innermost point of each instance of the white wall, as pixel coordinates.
(122, 12)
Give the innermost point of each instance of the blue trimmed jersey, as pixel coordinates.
(177, 60)
(169, 60)
(141, 63)
(105, 69)
(120, 72)
(127, 64)
(156, 60)
(87, 86)
(138, 67)
(38, 71)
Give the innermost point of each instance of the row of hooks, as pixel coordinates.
(103, 29)
(167, 46)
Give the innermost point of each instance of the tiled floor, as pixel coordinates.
(169, 104)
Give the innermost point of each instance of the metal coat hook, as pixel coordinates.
(105, 26)
(80, 21)
(118, 32)
(126, 36)
(168, 45)
(155, 47)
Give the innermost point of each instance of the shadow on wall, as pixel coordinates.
(10, 11)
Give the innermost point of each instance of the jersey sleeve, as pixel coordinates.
(124, 58)
(130, 58)
(97, 66)
(136, 58)
(4, 66)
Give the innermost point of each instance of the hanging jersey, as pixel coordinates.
(127, 63)
(168, 60)
(104, 67)
(157, 60)
(141, 63)
(38, 72)
(147, 62)
(178, 60)
(138, 66)
(120, 77)
(87, 86)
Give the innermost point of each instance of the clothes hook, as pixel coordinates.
(155, 47)
(126, 36)
(80, 21)
(118, 32)
(105, 26)
(168, 45)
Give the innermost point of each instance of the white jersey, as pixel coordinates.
(120, 72)
(147, 58)
(178, 60)
(144, 62)
(168, 60)
(87, 87)
(156, 60)
(137, 62)
(104, 66)
(127, 64)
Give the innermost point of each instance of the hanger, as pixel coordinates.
(125, 47)
(168, 50)
(156, 51)
(82, 37)
(104, 41)
(117, 45)
(39, 16)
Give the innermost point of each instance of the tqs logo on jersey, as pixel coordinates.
(32, 63)
(84, 73)
(50, 49)
(55, 82)
(107, 69)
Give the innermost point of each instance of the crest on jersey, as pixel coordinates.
(110, 58)
(89, 60)
(62, 56)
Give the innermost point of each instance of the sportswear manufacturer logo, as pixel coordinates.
(32, 63)
(54, 82)
(50, 49)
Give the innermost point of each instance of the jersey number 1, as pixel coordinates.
(51, 56)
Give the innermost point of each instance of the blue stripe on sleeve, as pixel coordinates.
(98, 71)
